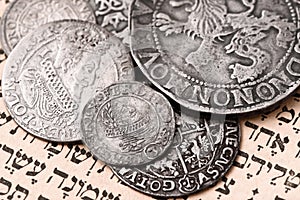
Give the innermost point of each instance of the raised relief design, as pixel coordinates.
(211, 21)
(60, 73)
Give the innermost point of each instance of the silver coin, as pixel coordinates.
(219, 56)
(53, 72)
(113, 16)
(203, 151)
(128, 124)
(23, 16)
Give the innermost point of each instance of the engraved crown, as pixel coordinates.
(86, 39)
(129, 122)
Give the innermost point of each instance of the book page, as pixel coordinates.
(267, 165)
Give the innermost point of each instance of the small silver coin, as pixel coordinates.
(128, 124)
(113, 16)
(53, 72)
(218, 56)
(203, 150)
(23, 16)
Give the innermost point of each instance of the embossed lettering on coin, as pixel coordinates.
(217, 55)
(128, 124)
(23, 16)
(202, 152)
(55, 70)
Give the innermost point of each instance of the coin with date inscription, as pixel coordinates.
(218, 56)
(203, 150)
(23, 16)
(53, 72)
(128, 123)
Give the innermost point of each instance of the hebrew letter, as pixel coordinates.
(269, 165)
(293, 181)
(7, 184)
(253, 126)
(286, 115)
(267, 132)
(42, 198)
(14, 130)
(59, 173)
(4, 119)
(241, 154)
(38, 167)
(20, 192)
(68, 189)
(90, 193)
(260, 161)
(279, 168)
(8, 150)
(80, 155)
(54, 149)
(21, 160)
(81, 183)
(226, 190)
(278, 142)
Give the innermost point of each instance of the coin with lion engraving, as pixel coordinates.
(53, 72)
(128, 123)
(23, 16)
(218, 56)
(203, 150)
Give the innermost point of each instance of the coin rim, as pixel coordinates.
(170, 124)
(20, 122)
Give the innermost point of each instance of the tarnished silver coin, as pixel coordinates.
(53, 72)
(113, 16)
(128, 124)
(220, 56)
(23, 16)
(203, 151)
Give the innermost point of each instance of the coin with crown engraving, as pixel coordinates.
(219, 56)
(128, 123)
(53, 72)
(203, 150)
(23, 16)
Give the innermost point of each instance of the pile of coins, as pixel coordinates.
(70, 77)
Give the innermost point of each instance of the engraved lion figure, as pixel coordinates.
(210, 21)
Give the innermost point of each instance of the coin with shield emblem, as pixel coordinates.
(128, 123)
(53, 72)
(203, 150)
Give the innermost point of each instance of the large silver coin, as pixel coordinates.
(220, 56)
(23, 16)
(203, 151)
(53, 72)
(128, 124)
(113, 16)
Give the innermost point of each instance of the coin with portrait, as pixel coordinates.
(55, 70)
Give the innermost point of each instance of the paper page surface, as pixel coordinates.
(267, 165)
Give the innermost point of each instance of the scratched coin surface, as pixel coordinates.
(220, 56)
(128, 124)
(53, 72)
(203, 150)
(23, 16)
(113, 16)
